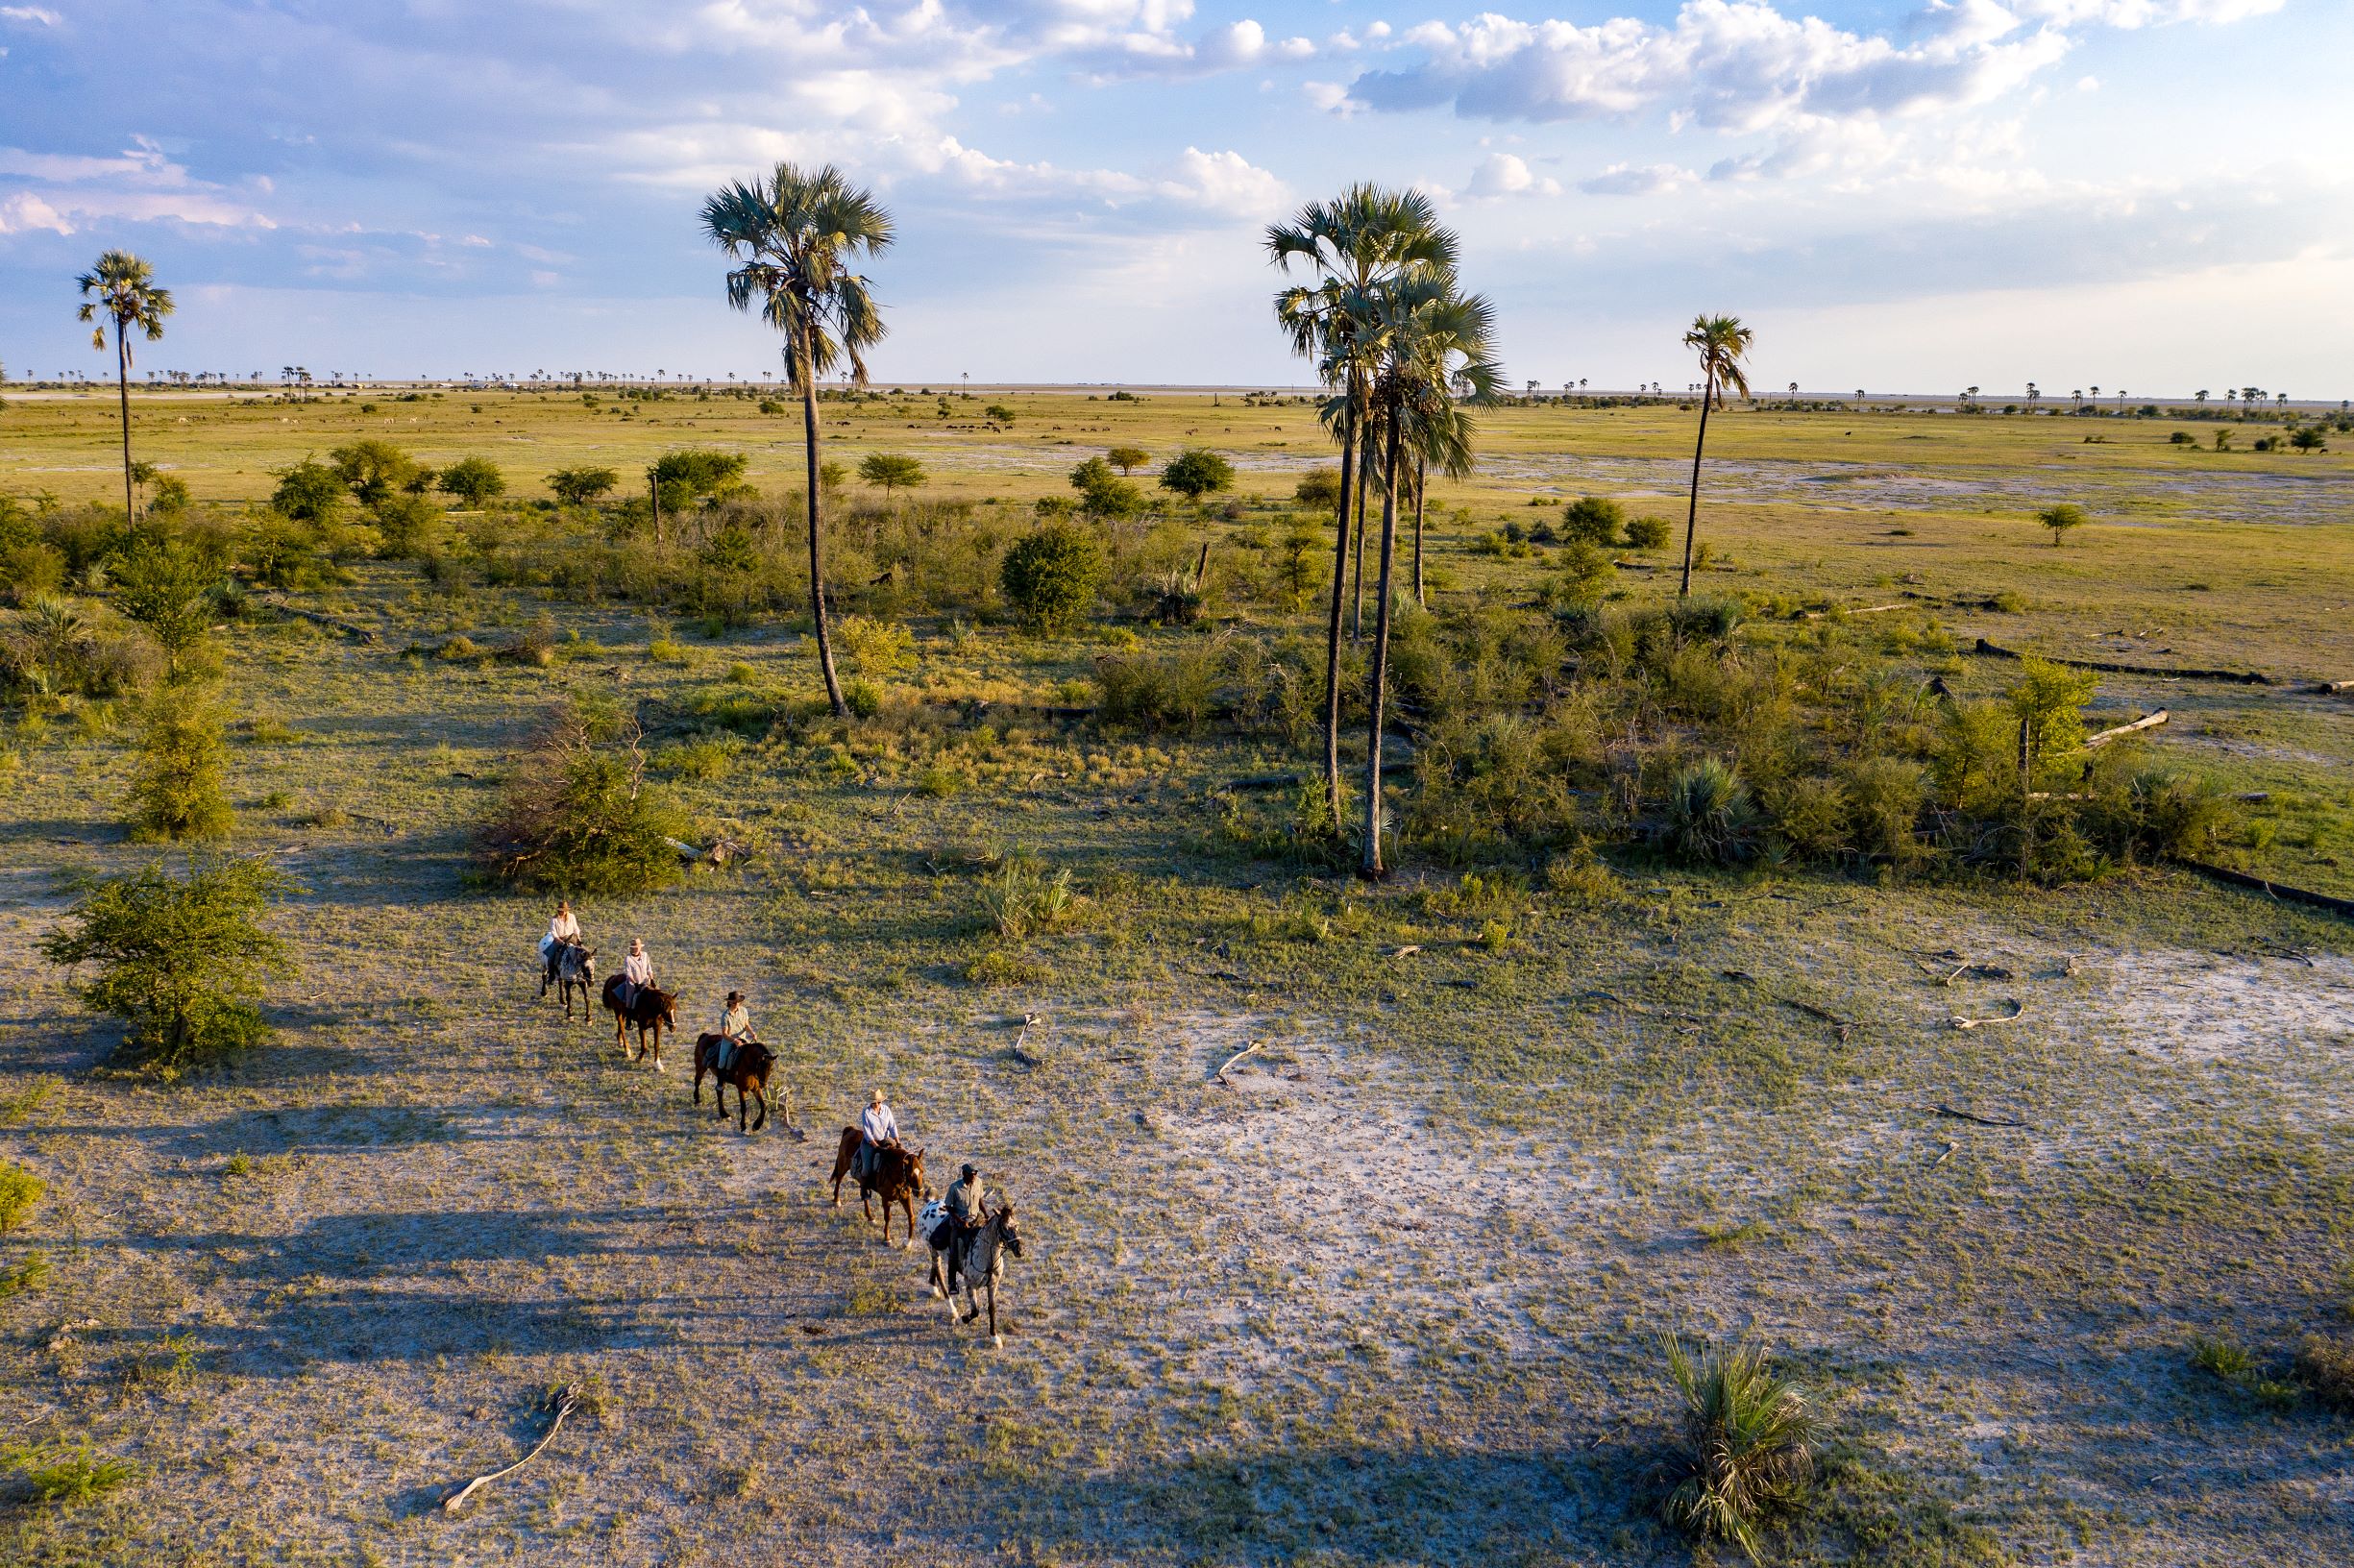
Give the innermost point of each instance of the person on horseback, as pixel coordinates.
(637, 970)
(967, 1212)
(878, 1129)
(735, 1030)
(563, 930)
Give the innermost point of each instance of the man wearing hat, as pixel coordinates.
(968, 1208)
(735, 1029)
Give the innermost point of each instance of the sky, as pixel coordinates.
(1908, 196)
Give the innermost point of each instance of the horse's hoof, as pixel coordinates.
(998, 1340)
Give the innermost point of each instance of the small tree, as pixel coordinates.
(581, 486)
(578, 817)
(695, 473)
(2309, 439)
(1595, 519)
(1746, 1448)
(1647, 532)
(308, 492)
(163, 586)
(1002, 413)
(176, 793)
(473, 480)
(2061, 518)
(1127, 459)
(888, 472)
(179, 960)
(1196, 473)
(1319, 489)
(1050, 575)
(373, 471)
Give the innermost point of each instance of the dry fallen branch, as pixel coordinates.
(1028, 1021)
(2152, 721)
(566, 1399)
(1944, 1110)
(1249, 1050)
(2018, 1010)
(1869, 609)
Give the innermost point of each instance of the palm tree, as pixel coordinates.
(1432, 339)
(127, 296)
(1353, 246)
(794, 235)
(1721, 342)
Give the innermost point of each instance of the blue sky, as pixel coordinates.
(2148, 194)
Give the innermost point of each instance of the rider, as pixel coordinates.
(735, 1030)
(967, 1202)
(878, 1129)
(637, 970)
(562, 930)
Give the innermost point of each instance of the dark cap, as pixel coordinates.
(735, 995)
(970, 1173)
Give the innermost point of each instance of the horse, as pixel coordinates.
(978, 1257)
(570, 967)
(898, 1176)
(749, 1074)
(650, 1008)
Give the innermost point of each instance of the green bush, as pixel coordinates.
(176, 792)
(19, 1191)
(1647, 532)
(165, 587)
(308, 492)
(1023, 899)
(1050, 575)
(473, 480)
(1712, 819)
(863, 698)
(577, 817)
(1747, 1445)
(66, 1474)
(1594, 519)
(181, 960)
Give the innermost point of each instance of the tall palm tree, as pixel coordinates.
(126, 294)
(794, 236)
(1351, 246)
(1721, 342)
(1432, 339)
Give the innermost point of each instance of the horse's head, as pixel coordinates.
(914, 1173)
(1007, 1236)
(665, 1007)
(588, 965)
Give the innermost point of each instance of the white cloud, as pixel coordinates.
(1637, 180)
(33, 15)
(1504, 174)
(21, 212)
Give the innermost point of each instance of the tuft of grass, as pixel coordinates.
(19, 1278)
(2326, 1368)
(1004, 967)
(1718, 1234)
(2238, 1368)
(17, 1107)
(1747, 1449)
(1023, 899)
(66, 1473)
(19, 1191)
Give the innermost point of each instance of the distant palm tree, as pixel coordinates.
(794, 236)
(1721, 342)
(126, 295)
(1353, 247)
(2200, 395)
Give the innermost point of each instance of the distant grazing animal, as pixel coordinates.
(898, 1178)
(571, 967)
(652, 1008)
(748, 1074)
(975, 1260)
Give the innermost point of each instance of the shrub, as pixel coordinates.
(1050, 575)
(863, 698)
(1747, 1449)
(57, 1472)
(1021, 898)
(2326, 1368)
(1195, 473)
(410, 527)
(19, 1191)
(176, 793)
(1647, 532)
(164, 586)
(889, 472)
(373, 471)
(1320, 488)
(581, 486)
(179, 960)
(879, 645)
(578, 817)
(1888, 793)
(1586, 574)
(1710, 817)
(2161, 813)
(1593, 518)
(307, 492)
(473, 480)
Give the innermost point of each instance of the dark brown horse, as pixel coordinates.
(748, 1074)
(898, 1178)
(977, 1259)
(571, 967)
(651, 1008)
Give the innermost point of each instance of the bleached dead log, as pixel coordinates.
(1869, 609)
(1251, 1049)
(2018, 1010)
(566, 1399)
(2107, 735)
(332, 623)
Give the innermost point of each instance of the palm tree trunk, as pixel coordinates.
(1422, 474)
(1371, 866)
(1691, 517)
(1332, 629)
(816, 580)
(122, 389)
(1357, 611)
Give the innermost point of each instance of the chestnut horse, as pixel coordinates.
(749, 1073)
(651, 1008)
(975, 1259)
(899, 1177)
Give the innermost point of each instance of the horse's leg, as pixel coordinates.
(907, 1207)
(763, 1120)
(743, 1110)
(932, 1279)
(994, 1337)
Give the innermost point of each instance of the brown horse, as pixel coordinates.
(650, 1008)
(977, 1259)
(571, 967)
(749, 1073)
(899, 1177)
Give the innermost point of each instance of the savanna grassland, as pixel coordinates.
(1392, 1292)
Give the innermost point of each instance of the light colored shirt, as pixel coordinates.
(878, 1125)
(735, 1023)
(564, 928)
(638, 968)
(967, 1200)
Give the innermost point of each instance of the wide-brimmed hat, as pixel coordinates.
(735, 995)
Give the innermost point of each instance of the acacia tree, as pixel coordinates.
(1721, 342)
(794, 235)
(126, 295)
(1351, 246)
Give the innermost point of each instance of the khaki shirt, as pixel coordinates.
(967, 1200)
(735, 1023)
